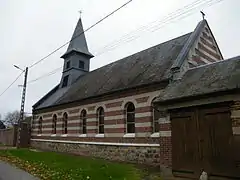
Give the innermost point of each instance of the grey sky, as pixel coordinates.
(32, 29)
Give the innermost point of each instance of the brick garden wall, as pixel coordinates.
(8, 137)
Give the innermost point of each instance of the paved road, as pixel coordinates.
(8, 172)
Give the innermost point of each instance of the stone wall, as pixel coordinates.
(148, 155)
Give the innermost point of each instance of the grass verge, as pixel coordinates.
(55, 166)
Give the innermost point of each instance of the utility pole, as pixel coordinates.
(22, 106)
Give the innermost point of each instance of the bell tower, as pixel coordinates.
(76, 58)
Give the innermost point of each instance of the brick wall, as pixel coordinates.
(235, 116)
(114, 119)
(8, 137)
(204, 50)
(165, 141)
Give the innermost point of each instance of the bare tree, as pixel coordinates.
(12, 118)
(2, 125)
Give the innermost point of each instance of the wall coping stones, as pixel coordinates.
(98, 143)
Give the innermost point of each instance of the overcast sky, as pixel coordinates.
(32, 29)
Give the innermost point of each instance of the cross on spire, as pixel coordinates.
(203, 14)
(80, 12)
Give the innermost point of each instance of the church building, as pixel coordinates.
(175, 105)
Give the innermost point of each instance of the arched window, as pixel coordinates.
(54, 124)
(100, 116)
(65, 123)
(83, 122)
(40, 125)
(155, 118)
(130, 117)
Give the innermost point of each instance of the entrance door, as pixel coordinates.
(184, 142)
(201, 140)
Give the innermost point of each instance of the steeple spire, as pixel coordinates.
(77, 57)
(78, 42)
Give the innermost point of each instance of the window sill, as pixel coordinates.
(99, 135)
(39, 135)
(82, 135)
(129, 135)
(53, 135)
(64, 135)
(155, 134)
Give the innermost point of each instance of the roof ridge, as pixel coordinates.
(184, 52)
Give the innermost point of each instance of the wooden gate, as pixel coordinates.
(201, 139)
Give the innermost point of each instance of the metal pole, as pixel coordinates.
(22, 106)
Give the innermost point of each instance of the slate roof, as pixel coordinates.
(149, 66)
(143, 68)
(220, 76)
(78, 41)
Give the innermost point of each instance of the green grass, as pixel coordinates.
(53, 166)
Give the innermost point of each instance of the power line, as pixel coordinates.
(45, 75)
(80, 33)
(154, 28)
(12, 83)
(151, 27)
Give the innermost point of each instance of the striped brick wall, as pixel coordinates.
(165, 140)
(115, 127)
(235, 116)
(205, 50)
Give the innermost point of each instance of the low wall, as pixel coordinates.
(8, 137)
(148, 154)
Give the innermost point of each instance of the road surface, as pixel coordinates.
(9, 172)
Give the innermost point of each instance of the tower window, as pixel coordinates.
(68, 65)
(65, 81)
(81, 64)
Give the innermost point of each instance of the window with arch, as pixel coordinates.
(54, 124)
(83, 122)
(130, 117)
(100, 116)
(40, 125)
(155, 118)
(65, 123)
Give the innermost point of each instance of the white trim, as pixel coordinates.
(164, 120)
(91, 119)
(157, 134)
(145, 124)
(153, 93)
(114, 117)
(210, 49)
(113, 126)
(165, 133)
(205, 60)
(99, 135)
(98, 143)
(53, 135)
(209, 55)
(39, 134)
(210, 42)
(235, 114)
(114, 134)
(64, 135)
(144, 114)
(143, 134)
(129, 135)
(91, 127)
(82, 135)
(236, 130)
